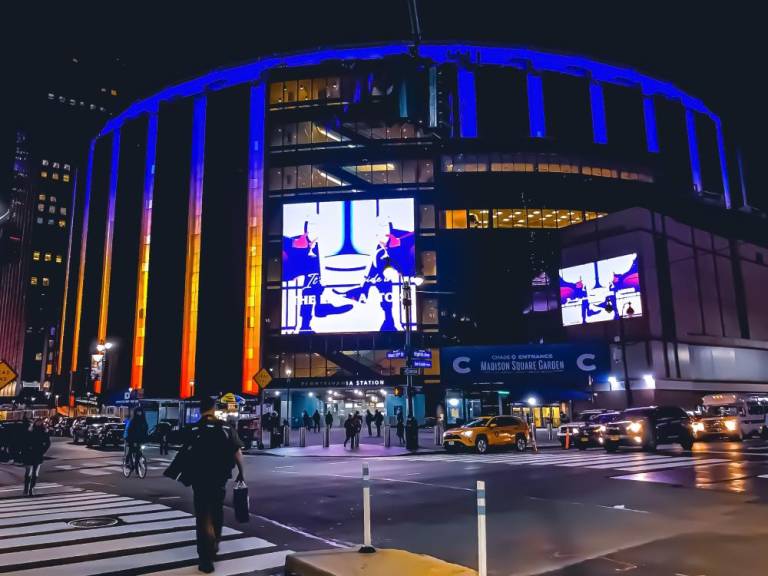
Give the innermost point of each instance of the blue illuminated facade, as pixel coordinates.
(496, 161)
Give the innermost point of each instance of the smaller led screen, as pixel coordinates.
(600, 291)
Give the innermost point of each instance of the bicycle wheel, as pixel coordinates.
(127, 467)
(141, 466)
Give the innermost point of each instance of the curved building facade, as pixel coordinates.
(272, 215)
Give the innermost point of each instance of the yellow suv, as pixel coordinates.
(488, 431)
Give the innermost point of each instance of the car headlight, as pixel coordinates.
(698, 426)
(635, 427)
(730, 425)
(467, 433)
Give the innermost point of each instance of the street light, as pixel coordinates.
(630, 312)
(407, 300)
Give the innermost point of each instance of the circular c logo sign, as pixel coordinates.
(460, 365)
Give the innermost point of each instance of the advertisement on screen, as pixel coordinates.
(600, 291)
(344, 263)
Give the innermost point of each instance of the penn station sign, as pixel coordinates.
(560, 364)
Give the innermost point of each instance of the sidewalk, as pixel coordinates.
(370, 446)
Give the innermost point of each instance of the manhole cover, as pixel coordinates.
(92, 522)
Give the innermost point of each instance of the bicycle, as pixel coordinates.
(134, 461)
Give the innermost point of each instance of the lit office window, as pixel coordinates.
(44, 162)
(41, 197)
(453, 219)
(65, 177)
(41, 207)
(59, 259)
(113, 92)
(62, 223)
(35, 255)
(478, 218)
(53, 198)
(43, 174)
(56, 165)
(39, 220)
(63, 211)
(52, 209)
(47, 256)
(67, 167)
(55, 175)
(46, 281)
(33, 280)
(50, 221)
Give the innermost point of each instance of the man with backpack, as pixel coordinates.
(214, 448)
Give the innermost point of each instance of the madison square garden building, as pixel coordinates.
(267, 215)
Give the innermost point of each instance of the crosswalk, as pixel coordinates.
(107, 466)
(37, 537)
(597, 460)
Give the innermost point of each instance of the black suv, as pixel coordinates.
(648, 427)
(85, 426)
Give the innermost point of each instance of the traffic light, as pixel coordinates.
(398, 391)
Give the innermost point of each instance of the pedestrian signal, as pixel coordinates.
(398, 391)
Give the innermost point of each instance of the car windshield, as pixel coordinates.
(479, 423)
(605, 418)
(637, 412)
(717, 411)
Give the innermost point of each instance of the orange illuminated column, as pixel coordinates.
(253, 269)
(194, 237)
(140, 324)
(108, 237)
(83, 246)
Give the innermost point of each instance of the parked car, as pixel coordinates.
(61, 426)
(486, 432)
(592, 432)
(572, 428)
(648, 427)
(80, 429)
(109, 434)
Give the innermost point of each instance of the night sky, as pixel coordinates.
(713, 51)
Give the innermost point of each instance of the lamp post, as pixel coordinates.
(630, 312)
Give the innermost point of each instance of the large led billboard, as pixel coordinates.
(344, 263)
(600, 291)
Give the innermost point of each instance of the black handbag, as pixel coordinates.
(241, 501)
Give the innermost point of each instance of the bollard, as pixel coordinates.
(327, 437)
(387, 436)
(356, 440)
(438, 434)
(286, 435)
(533, 437)
(367, 547)
(567, 437)
(549, 430)
(482, 566)
(302, 437)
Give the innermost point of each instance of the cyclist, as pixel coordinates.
(135, 434)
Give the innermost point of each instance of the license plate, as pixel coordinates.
(450, 442)
(614, 437)
(584, 439)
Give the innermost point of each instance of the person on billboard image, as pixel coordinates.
(599, 290)
(335, 265)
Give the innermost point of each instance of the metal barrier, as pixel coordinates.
(387, 435)
(302, 437)
(286, 435)
(438, 434)
(356, 441)
(327, 437)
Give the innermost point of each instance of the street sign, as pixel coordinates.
(411, 371)
(7, 374)
(262, 378)
(423, 363)
(424, 354)
(396, 354)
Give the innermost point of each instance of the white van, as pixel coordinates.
(735, 416)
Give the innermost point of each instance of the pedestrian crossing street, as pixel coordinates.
(107, 466)
(596, 460)
(150, 539)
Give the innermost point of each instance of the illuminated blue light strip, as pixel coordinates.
(536, 120)
(693, 149)
(467, 103)
(439, 53)
(597, 104)
(651, 131)
(723, 163)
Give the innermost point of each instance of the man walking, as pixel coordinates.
(316, 420)
(369, 421)
(378, 419)
(215, 448)
(328, 419)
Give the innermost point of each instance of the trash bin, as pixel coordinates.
(276, 437)
(411, 433)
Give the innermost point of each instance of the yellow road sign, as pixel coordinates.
(262, 378)
(7, 374)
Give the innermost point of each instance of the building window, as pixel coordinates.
(478, 218)
(65, 177)
(113, 92)
(453, 219)
(67, 167)
(33, 280)
(63, 211)
(41, 207)
(47, 256)
(50, 221)
(52, 209)
(56, 165)
(44, 162)
(62, 223)
(43, 174)
(58, 259)
(46, 281)
(39, 220)
(35, 255)
(53, 198)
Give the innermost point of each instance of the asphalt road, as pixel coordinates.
(555, 512)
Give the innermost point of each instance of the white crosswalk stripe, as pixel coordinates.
(593, 459)
(36, 537)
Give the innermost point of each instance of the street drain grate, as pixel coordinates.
(92, 522)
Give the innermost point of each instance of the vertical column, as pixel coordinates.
(254, 247)
(597, 105)
(723, 162)
(140, 324)
(536, 120)
(651, 130)
(62, 330)
(194, 237)
(106, 272)
(467, 94)
(693, 150)
(83, 250)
